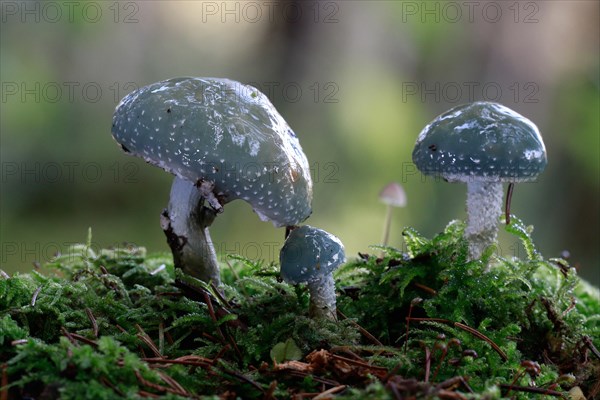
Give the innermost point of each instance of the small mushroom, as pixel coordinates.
(392, 195)
(481, 144)
(310, 255)
(222, 140)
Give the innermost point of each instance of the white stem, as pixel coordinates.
(484, 207)
(185, 224)
(322, 297)
(386, 226)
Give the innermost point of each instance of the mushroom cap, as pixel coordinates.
(220, 132)
(393, 195)
(310, 253)
(481, 141)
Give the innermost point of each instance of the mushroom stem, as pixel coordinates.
(386, 226)
(185, 224)
(484, 207)
(322, 297)
(509, 193)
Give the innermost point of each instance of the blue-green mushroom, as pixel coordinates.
(310, 255)
(482, 144)
(223, 141)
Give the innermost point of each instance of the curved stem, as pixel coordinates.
(322, 297)
(509, 193)
(484, 207)
(185, 224)
(386, 226)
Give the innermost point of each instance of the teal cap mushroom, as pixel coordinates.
(224, 138)
(310, 255)
(482, 144)
(484, 140)
(223, 132)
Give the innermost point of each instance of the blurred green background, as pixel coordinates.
(356, 80)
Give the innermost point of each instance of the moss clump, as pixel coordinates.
(425, 323)
(492, 320)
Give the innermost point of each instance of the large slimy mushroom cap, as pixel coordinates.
(484, 141)
(310, 253)
(222, 135)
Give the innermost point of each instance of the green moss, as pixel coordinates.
(120, 323)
